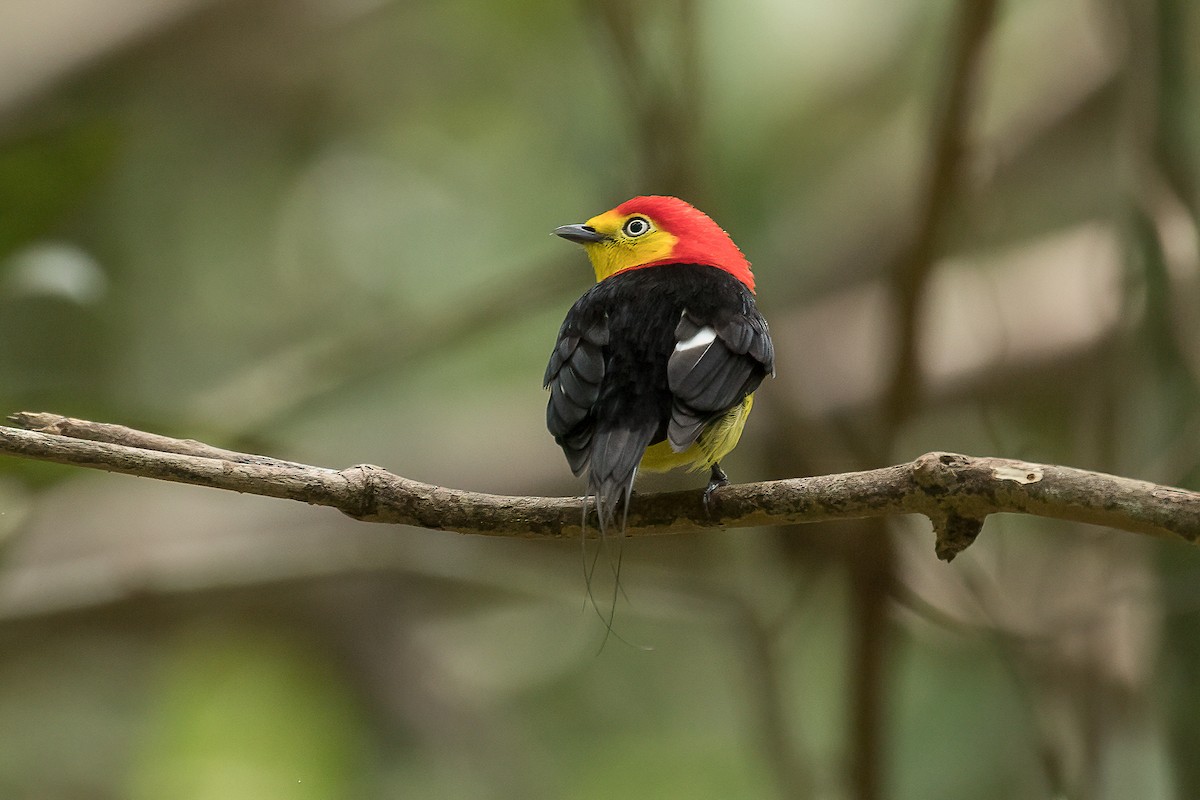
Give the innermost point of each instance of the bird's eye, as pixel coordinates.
(636, 226)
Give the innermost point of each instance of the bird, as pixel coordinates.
(656, 365)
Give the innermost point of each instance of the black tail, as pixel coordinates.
(612, 465)
(615, 455)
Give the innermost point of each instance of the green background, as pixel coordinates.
(320, 230)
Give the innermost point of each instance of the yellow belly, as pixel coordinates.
(713, 444)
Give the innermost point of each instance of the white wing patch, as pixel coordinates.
(700, 340)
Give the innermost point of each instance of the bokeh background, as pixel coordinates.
(320, 230)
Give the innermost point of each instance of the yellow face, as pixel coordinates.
(630, 240)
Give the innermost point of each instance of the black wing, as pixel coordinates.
(573, 377)
(715, 364)
(590, 415)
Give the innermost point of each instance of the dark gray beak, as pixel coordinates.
(581, 234)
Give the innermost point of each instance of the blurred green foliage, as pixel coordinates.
(321, 231)
(244, 715)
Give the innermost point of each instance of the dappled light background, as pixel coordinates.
(320, 230)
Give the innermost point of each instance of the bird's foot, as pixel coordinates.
(717, 479)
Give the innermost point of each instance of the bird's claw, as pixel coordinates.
(716, 481)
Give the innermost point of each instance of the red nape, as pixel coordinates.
(701, 241)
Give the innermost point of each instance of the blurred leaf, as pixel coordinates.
(44, 176)
(247, 714)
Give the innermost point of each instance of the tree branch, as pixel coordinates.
(873, 564)
(956, 492)
(948, 147)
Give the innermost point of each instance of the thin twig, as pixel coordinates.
(119, 434)
(956, 492)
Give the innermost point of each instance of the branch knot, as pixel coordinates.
(363, 480)
(943, 479)
(938, 473)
